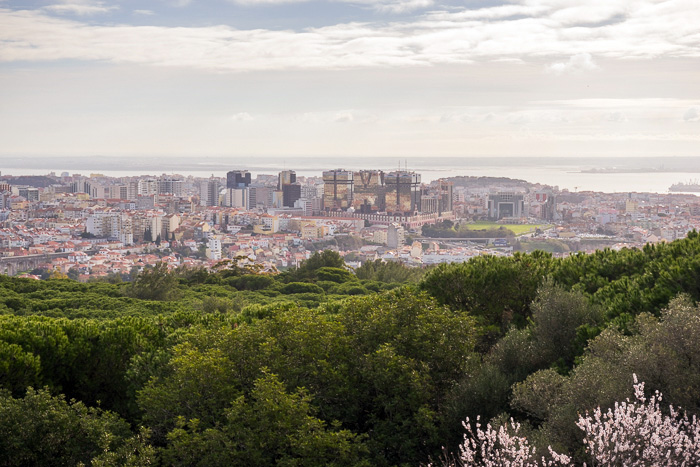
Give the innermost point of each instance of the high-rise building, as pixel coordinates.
(287, 184)
(237, 198)
(132, 189)
(402, 192)
(238, 179)
(260, 197)
(276, 198)
(286, 177)
(83, 185)
(290, 194)
(337, 189)
(445, 194)
(167, 184)
(209, 192)
(369, 193)
(147, 186)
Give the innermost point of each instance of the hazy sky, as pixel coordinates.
(350, 77)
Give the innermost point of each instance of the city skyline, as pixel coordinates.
(390, 78)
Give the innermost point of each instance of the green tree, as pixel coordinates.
(269, 427)
(133, 452)
(155, 283)
(73, 274)
(388, 271)
(18, 368)
(557, 316)
(301, 287)
(40, 429)
(498, 290)
(308, 268)
(663, 351)
(198, 384)
(339, 275)
(381, 365)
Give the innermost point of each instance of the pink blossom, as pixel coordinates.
(631, 434)
(637, 433)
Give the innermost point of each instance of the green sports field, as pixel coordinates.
(517, 229)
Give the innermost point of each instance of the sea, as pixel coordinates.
(601, 174)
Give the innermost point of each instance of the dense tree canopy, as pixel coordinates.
(323, 365)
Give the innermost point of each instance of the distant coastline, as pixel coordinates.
(633, 170)
(602, 174)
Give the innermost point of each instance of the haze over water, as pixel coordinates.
(654, 175)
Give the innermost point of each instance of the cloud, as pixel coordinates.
(384, 6)
(464, 116)
(576, 63)
(242, 117)
(398, 6)
(178, 3)
(619, 117)
(144, 12)
(514, 61)
(344, 117)
(529, 31)
(490, 13)
(692, 115)
(337, 116)
(260, 2)
(350, 116)
(80, 8)
(613, 103)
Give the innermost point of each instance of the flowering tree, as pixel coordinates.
(631, 434)
(637, 433)
(504, 447)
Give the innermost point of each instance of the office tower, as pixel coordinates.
(238, 179)
(445, 194)
(290, 194)
(337, 189)
(260, 197)
(286, 177)
(369, 194)
(402, 192)
(287, 184)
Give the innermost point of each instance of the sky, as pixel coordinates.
(349, 78)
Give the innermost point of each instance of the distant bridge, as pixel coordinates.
(11, 265)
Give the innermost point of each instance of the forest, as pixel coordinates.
(384, 365)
